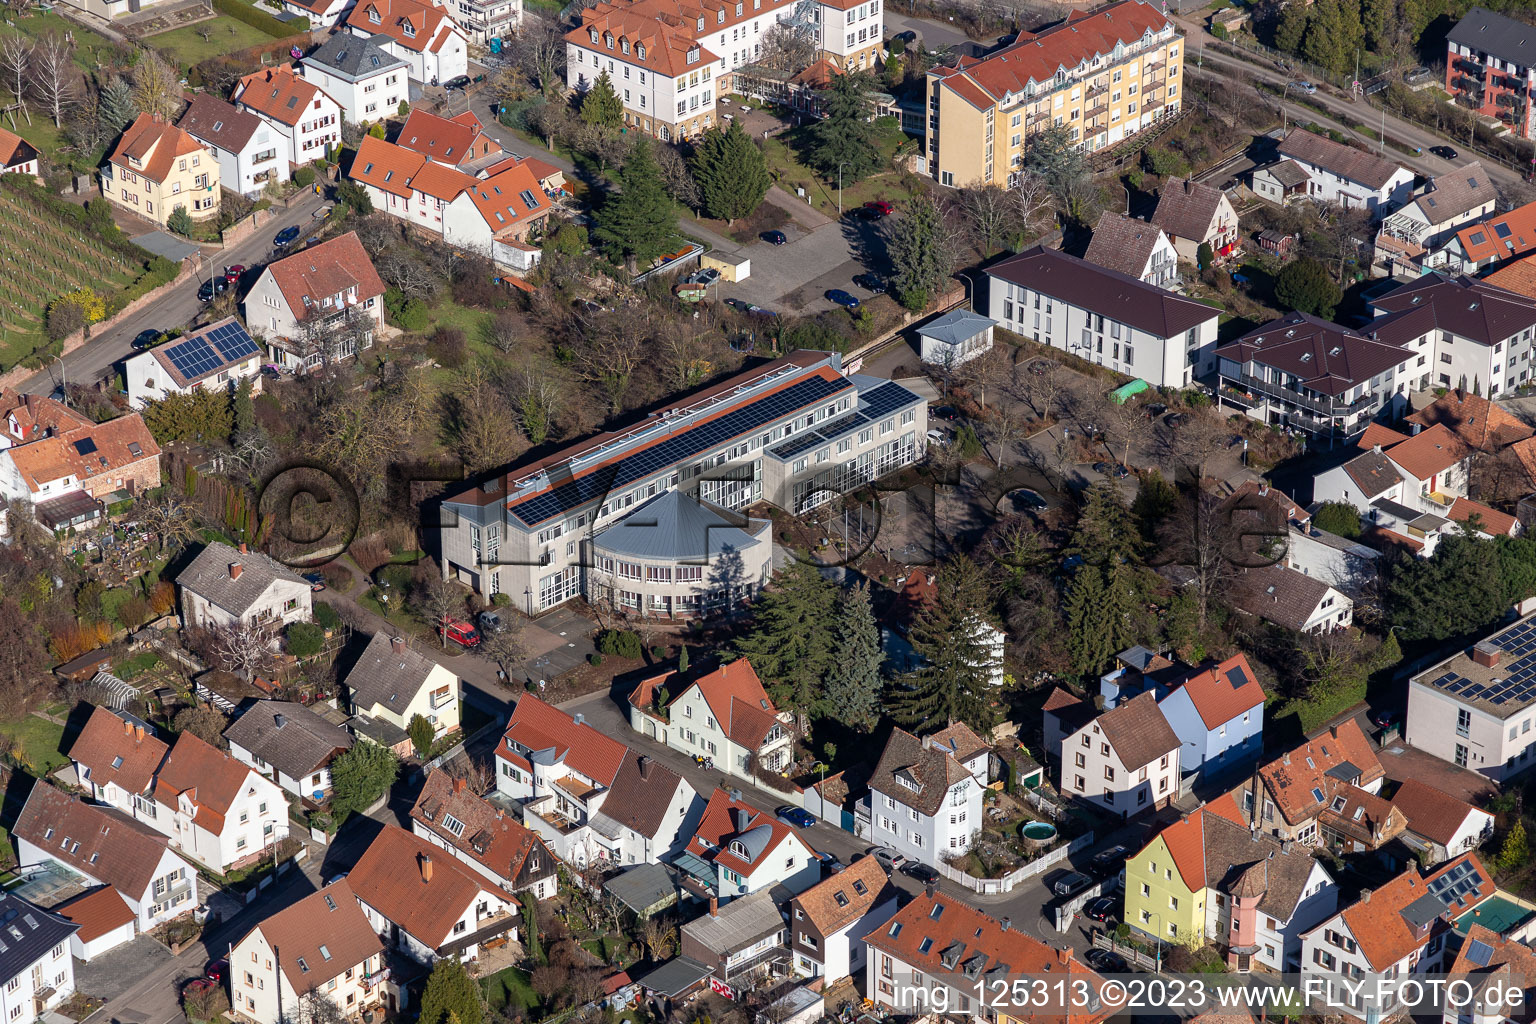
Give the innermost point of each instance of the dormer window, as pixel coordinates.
(640, 50)
(594, 36)
(701, 23)
(408, 29)
(608, 40)
(373, 16)
(738, 10)
(693, 55)
(738, 849)
(719, 17)
(623, 45)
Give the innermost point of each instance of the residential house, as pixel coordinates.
(225, 587)
(1063, 714)
(423, 35)
(667, 59)
(954, 338)
(1105, 317)
(1438, 823)
(1336, 173)
(459, 141)
(426, 903)
(919, 590)
(156, 168)
(321, 948)
(72, 473)
(305, 119)
(319, 305)
(1482, 245)
(1516, 275)
(739, 942)
(392, 683)
(17, 155)
(215, 357)
(1477, 336)
(36, 972)
(290, 744)
(1136, 249)
(1304, 372)
(217, 811)
(1487, 692)
(1406, 487)
(1290, 599)
(501, 217)
(1496, 968)
(1280, 182)
(1193, 215)
(246, 147)
(115, 758)
(1107, 74)
(739, 850)
(783, 432)
(1270, 521)
(937, 950)
(588, 795)
(25, 418)
(103, 919)
(489, 22)
(1217, 713)
(366, 81)
(828, 922)
(1311, 794)
(1209, 876)
(407, 185)
(724, 714)
(1490, 68)
(974, 753)
(1478, 422)
(1398, 929)
(1125, 761)
(485, 837)
(1449, 202)
(105, 847)
(923, 802)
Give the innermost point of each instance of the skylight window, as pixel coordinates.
(859, 886)
(925, 945)
(324, 951)
(303, 967)
(329, 903)
(841, 898)
(453, 825)
(895, 930)
(937, 911)
(117, 762)
(1317, 794)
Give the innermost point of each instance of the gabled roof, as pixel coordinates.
(1240, 861)
(321, 937)
(1187, 209)
(353, 56)
(15, 150)
(322, 271)
(641, 794)
(1278, 594)
(452, 141)
(843, 898)
(415, 26)
(962, 741)
(1288, 173)
(1431, 813)
(96, 912)
(740, 704)
(1310, 149)
(1479, 422)
(1486, 955)
(1496, 34)
(151, 146)
(288, 736)
(1379, 435)
(916, 772)
(184, 375)
(1324, 356)
(389, 674)
(415, 885)
(1117, 296)
(386, 167)
(86, 452)
(736, 835)
(1493, 522)
(1301, 780)
(1123, 244)
(448, 809)
(1456, 193)
(98, 841)
(1224, 691)
(1501, 236)
(1430, 451)
(207, 776)
(1137, 731)
(509, 197)
(1392, 921)
(281, 94)
(1373, 473)
(1465, 306)
(209, 576)
(30, 933)
(218, 123)
(1516, 275)
(552, 736)
(118, 751)
(35, 415)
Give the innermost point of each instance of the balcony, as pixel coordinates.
(1469, 66)
(1465, 83)
(1155, 65)
(555, 817)
(1305, 401)
(1098, 111)
(1096, 91)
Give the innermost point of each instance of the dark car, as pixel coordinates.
(1105, 962)
(709, 275)
(217, 970)
(146, 339)
(232, 274)
(908, 36)
(211, 287)
(1040, 367)
(864, 213)
(1155, 410)
(1101, 910)
(924, 873)
(1026, 500)
(870, 282)
(1444, 152)
(315, 580)
(799, 817)
(456, 82)
(1114, 857)
(942, 412)
(1070, 883)
(842, 298)
(286, 237)
(774, 237)
(1385, 719)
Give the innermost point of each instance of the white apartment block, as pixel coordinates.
(1476, 708)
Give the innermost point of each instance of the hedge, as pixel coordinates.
(260, 19)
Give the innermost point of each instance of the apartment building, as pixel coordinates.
(1103, 316)
(1104, 75)
(1490, 68)
(669, 60)
(923, 802)
(421, 34)
(368, 82)
(486, 22)
(306, 120)
(37, 973)
(794, 432)
(156, 167)
(724, 715)
(1478, 336)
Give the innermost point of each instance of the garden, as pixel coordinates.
(193, 44)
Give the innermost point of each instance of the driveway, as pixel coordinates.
(821, 254)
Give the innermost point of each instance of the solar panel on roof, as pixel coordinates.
(1479, 953)
(85, 446)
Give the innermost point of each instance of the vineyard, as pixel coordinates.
(44, 257)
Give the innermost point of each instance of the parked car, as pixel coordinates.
(880, 206)
(456, 82)
(461, 633)
(908, 36)
(829, 863)
(1101, 910)
(799, 817)
(1385, 719)
(1114, 857)
(863, 213)
(942, 412)
(774, 237)
(1026, 500)
(1070, 883)
(1444, 152)
(217, 970)
(286, 237)
(315, 580)
(937, 436)
(924, 873)
(271, 370)
(1304, 86)
(870, 282)
(888, 858)
(845, 299)
(1155, 410)
(146, 339)
(490, 621)
(1176, 419)
(1111, 469)
(1040, 367)
(211, 287)
(1105, 962)
(232, 274)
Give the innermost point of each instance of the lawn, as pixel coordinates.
(37, 743)
(511, 985)
(186, 46)
(92, 51)
(780, 153)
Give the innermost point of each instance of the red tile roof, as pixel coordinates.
(96, 912)
(1478, 421)
(1433, 814)
(210, 778)
(87, 453)
(100, 842)
(509, 197)
(416, 26)
(1496, 238)
(537, 726)
(155, 144)
(725, 819)
(1379, 434)
(441, 181)
(327, 931)
(1494, 523)
(1185, 840)
(452, 141)
(1376, 920)
(1291, 778)
(1224, 691)
(1429, 452)
(415, 885)
(15, 150)
(281, 94)
(326, 270)
(385, 166)
(736, 695)
(488, 835)
(118, 752)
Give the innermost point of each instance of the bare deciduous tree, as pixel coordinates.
(52, 74)
(539, 390)
(16, 59)
(1199, 536)
(156, 85)
(788, 46)
(676, 178)
(1031, 197)
(478, 773)
(613, 351)
(481, 420)
(246, 649)
(1002, 430)
(438, 599)
(538, 51)
(1193, 442)
(171, 518)
(990, 211)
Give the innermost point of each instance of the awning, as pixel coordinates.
(67, 510)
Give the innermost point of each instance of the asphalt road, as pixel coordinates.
(93, 360)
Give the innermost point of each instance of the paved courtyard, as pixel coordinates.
(116, 971)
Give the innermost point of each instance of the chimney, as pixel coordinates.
(1007, 924)
(127, 728)
(279, 720)
(1376, 448)
(1333, 731)
(1486, 654)
(426, 868)
(714, 906)
(644, 764)
(743, 818)
(931, 889)
(1064, 955)
(458, 785)
(242, 547)
(1285, 846)
(1365, 895)
(397, 644)
(234, 570)
(734, 794)
(138, 733)
(578, 718)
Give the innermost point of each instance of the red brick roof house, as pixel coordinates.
(328, 291)
(485, 837)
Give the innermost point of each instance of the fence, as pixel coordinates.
(1006, 883)
(1130, 954)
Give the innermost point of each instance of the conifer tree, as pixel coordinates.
(791, 641)
(601, 106)
(853, 684)
(638, 221)
(731, 173)
(953, 636)
(845, 138)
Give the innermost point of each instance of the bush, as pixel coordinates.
(501, 600)
(449, 347)
(304, 176)
(180, 221)
(1338, 517)
(594, 659)
(659, 653)
(325, 616)
(261, 19)
(622, 643)
(305, 639)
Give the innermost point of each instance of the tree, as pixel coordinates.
(1457, 591)
(1305, 285)
(437, 599)
(15, 60)
(505, 646)
(355, 198)
(637, 222)
(1291, 27)
(243, 409)
(990, 211)
(304, 639)
(538, 390)
(538, 50)
(732, 177)
(791, 642)
(788, 47)
(199, 415)
(853, 684)
(421, 733)
(1060, 163)
(844, 141)
(953, 635)
(360, 775)
(601, 106)
(156, 86)
(180, 221)
(1515, 851)
(1338, 517)
(64, 318)
(53, 75)
(202, 721)
(245, 648)
(1205, 256)
(451, 992)
(921, 248)
(1201, 538)
(677, 178)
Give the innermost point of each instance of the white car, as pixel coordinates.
(1306, 87)
(937, 436)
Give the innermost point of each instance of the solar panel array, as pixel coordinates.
(1479, 953)
(1456, 884)
(1518, 682)
(202, 353)
(676, 449)
(882, 401)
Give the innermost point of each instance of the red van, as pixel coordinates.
(461, 633)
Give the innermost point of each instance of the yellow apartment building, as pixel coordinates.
(157, 167)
